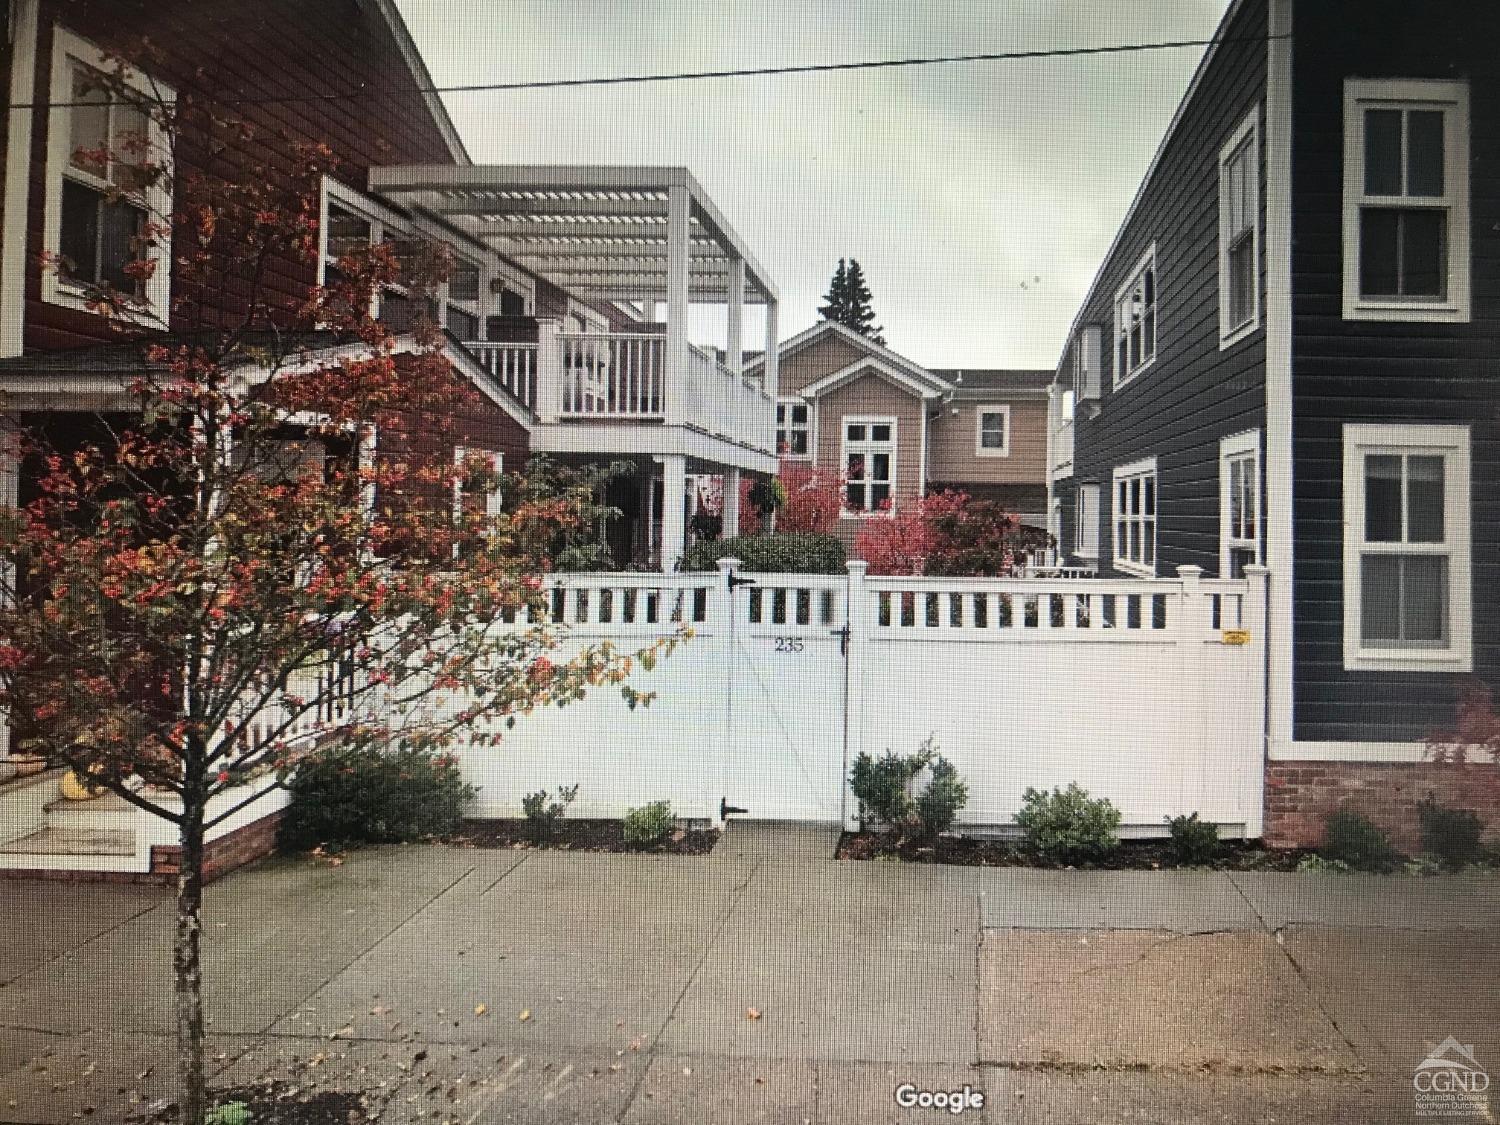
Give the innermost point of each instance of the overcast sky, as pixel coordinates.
(978, 197)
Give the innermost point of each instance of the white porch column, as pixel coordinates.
(773, 360)
(734, 343)
(673, 510)
(731, 512)
(10, 482)
(549, 370)
(678, 232)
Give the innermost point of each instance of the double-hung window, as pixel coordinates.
(1135, 518)
(992, 431)
(107, 205)
(792, 428)
(1406, 200)
(1239, 232)
(1135, 320)
(869, 458)
(1239, 503)
(1406, 547)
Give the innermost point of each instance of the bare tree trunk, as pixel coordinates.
(192, 1094)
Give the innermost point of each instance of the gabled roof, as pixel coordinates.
(388, 13)
(888, 360)
(862, 367)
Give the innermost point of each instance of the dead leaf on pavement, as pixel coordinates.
(752, 1013)
(525, 1015)
(480, 1009)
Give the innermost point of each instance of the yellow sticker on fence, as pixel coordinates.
(1236, 636)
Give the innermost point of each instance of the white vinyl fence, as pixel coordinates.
(1148, 692)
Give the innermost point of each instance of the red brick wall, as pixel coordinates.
(243, 845)
(1300, 794)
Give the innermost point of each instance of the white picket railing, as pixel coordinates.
(616, 376)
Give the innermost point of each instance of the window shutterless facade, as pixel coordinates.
(1406, 200)
(792, 428)
(992, 431)
(869, 460)
(1239, 503)
(1239, 232)
(102, 213)
(1407, 595)
(1134, 510)
(1135, 320)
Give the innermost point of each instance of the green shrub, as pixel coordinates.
(230, 1113)
(1067, 824)
(648, 825)
(938, 804)
(883, 787)
(795, 553)
(1195, 842)
(1319, 865)
(542, 815)
(1353, 839)
(1449, 835)
(375, 796)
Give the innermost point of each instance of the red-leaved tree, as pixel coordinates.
(948, 534)
(226, 575)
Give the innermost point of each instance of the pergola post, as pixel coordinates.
(772, 365)
(673, 510)
(734, 335)
(673, 392)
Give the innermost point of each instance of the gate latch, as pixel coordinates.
(843, 636)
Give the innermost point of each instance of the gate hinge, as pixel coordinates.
(726, 810)
(736, 580)
(843, 636)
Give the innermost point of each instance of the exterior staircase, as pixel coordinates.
(42, 831)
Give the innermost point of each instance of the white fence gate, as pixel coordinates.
(1149, 692)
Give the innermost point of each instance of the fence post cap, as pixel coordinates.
(728, 563)
(1189, 570)
(1256, 570)
(856, 566)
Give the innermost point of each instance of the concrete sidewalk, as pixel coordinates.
(765, 982)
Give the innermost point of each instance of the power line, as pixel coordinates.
(747, 72)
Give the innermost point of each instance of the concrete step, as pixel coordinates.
(72, 841)
(107, 813)
(23, 803)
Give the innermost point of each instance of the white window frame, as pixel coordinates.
(1086, 522)
(1451, 442)
(1452, 98)
(868, 448)
(1246, 138)
(68, 48)
(980, 449)
(1237, 447)
(493, 499)
(1137, 279)
(790, 401)
(1136, 470)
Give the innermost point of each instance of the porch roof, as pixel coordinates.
(596, 231)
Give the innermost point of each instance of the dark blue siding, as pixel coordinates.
(1361, 371)
(1194, 393)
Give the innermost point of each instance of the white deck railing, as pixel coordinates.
(614, 376)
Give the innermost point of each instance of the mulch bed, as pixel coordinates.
(275, 1103)
(580, 835)
(1130, 855)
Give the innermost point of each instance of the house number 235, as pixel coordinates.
(789, 644)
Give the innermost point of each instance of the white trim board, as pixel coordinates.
(17, 177)
(1370, 752)
(810, 336)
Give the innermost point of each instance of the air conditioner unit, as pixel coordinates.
(1088, 359)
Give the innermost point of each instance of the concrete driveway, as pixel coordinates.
(766, 982)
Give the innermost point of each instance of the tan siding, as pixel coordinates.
(872, 395)
(952, 458)
(831, 353)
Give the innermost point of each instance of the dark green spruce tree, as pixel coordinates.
(848, 301)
